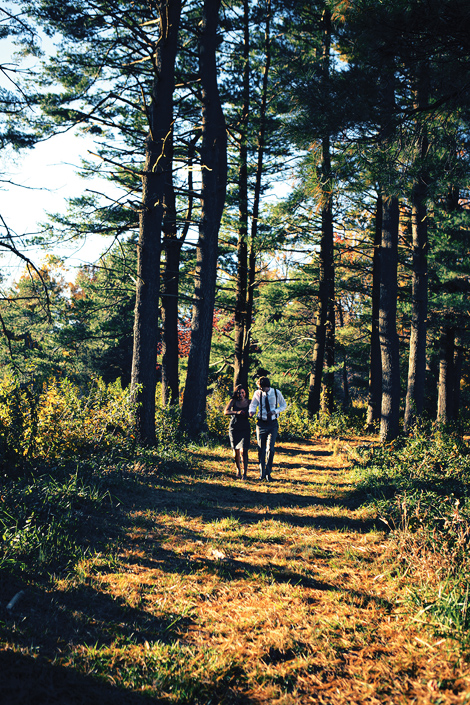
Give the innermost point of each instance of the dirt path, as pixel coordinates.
(223, 591)
(338, 601)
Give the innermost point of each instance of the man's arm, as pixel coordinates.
(281, 403)
(254, 403)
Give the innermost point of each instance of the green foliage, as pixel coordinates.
(62, 448)
(295, 423)
(217, 423)
(427, 461)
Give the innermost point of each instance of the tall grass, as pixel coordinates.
(420, 486)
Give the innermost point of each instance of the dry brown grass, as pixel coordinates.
(276, 593)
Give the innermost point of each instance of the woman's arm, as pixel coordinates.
(228, 409)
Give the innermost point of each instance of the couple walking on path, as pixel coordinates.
(267, 403)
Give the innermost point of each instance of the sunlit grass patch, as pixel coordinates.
(179, 672)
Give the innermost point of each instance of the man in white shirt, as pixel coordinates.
(268, 403)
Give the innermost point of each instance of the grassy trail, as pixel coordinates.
(216, 590)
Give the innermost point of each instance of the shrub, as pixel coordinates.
(217, 423)
(295, 423)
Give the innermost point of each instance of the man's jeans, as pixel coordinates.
(266, 434)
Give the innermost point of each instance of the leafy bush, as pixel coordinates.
(295, 423)
(63, 447)
(217, 423)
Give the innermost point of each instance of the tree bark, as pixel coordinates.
(458, 363)
(445, 390)
(214, 181)
(346, 398)
(170, 287)
(419, 295)
(240, 373)
(242, 356)
(389, 348)
(374, 399)
(170, 296)
(325, 318)
(158, 164)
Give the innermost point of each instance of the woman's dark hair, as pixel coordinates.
(236, 391)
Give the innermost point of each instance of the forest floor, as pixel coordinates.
(216, 590)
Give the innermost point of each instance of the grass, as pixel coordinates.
(193, 587)
(420, 487)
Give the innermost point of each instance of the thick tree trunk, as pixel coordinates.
(157, 166)
(374, 399)
(214, 181)
(325, 320)
(419, 295)
(328, 394)
(389, 348)
(445, 391)
(240, 373)
(419, 301)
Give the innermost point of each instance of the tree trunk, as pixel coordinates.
(170, 287)
(242, 358)
(240, 373)
(346, 398)
(214, 181)
(389, 349)
(170, 296)
(445, 390)
(325, 320)
(157, 166)
(328, 385)
(374, 399)
(458, 363)
(419, 296)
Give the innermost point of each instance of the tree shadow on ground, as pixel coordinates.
(53, 619)
(33, 681)
(200, 499)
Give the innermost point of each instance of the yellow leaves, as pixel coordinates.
(63, 420)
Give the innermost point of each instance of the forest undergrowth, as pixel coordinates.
(132, 575)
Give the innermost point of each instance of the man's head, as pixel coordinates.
(264, 383)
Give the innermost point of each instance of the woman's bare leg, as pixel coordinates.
(245, 462)
(236, 457)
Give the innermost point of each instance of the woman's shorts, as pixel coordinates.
(239, 439)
